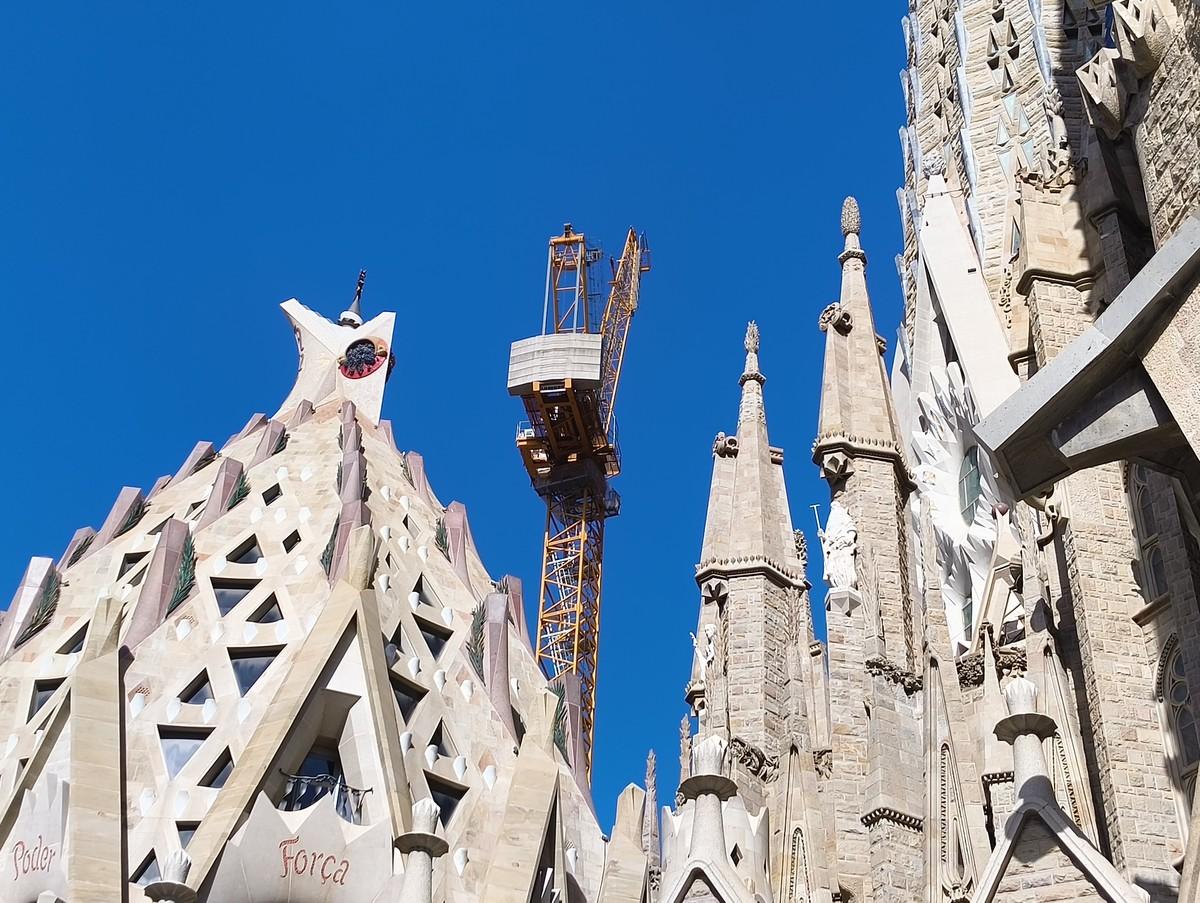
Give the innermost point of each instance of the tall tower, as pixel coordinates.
(873, 642)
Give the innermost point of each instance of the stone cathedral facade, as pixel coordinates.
(283, 673)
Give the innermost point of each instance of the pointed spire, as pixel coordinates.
(353, 315)
(751, 381)
(856, 404)
(746, 516)
(650, 817)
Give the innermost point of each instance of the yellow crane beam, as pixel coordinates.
(570, 448)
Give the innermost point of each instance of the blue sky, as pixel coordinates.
(171, 172)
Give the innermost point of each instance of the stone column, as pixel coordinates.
(422, 846)
(709, 788)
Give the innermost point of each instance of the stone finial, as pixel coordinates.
(172, 885)
(708, 756)
(752, 337)
(933, 164)
(425, 815)
(1021, 695)
(851, 217)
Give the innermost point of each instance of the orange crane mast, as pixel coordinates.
(567, 378)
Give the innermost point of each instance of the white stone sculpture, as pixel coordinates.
(707, 654)
(839, 542)
(965, 542)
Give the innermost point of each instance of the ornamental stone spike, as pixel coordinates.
(172, 885)
(422, 846)
(1025, 728)
(708, 756)
(851, 217)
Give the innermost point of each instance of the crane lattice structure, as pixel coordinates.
(567, 378)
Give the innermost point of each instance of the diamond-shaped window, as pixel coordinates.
(247, 553)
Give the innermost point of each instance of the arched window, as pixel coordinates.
(969, 486)
(1141, 502)
(1180, 738)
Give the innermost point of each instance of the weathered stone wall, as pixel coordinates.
(1040, 872)
(1168, 138)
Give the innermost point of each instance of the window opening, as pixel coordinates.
(271, 494)
(970, 487)
(267, 613)
(42, 691)
(178, 747)
(218, 774)
(446, 795)
(247, 553)
(291, 541)
(229, 593)
(198, 692)
(249, 665)
(407, 696)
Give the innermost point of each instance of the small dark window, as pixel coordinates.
(442, 742)
(42, 691)
(198, 692)
(267, 613)
(147, 873)
(425, 596)
(129, 562)
(291, 541)
(249, 665)
(219, 773)
(446, 795)
(75, 643)
(187, 830)
(230, 592)
(271, 494)
(158, 529)
(247, 553)
(407, 696)
(179, 746)
(435, 637)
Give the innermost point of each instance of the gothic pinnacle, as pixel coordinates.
(851, 218)
(751, 370)
(851, 227)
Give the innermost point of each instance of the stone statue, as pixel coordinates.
(839, 541)
(705, 656)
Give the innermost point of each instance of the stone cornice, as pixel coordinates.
(861, 447)
(741, 565)
(896, 817)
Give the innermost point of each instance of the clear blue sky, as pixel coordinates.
(170, 172)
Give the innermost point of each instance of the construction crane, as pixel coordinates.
(567, 378)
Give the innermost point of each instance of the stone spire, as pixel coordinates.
(749, 564)
(650, 817)
(747, 511)
(856, 404)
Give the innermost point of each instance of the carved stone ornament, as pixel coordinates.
(1106, 84)
(836, 466)
(725, 446)
(901, 677)
(964, 543)
(1143, 34)
(1050, 504)
(839, 543)
(833, 315)
(823, 762)
(970, 669)
(752, 340)
(851, 217)
(933, 164)
(715, 592)
(753, 759)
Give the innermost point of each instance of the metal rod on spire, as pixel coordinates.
(353, 315)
